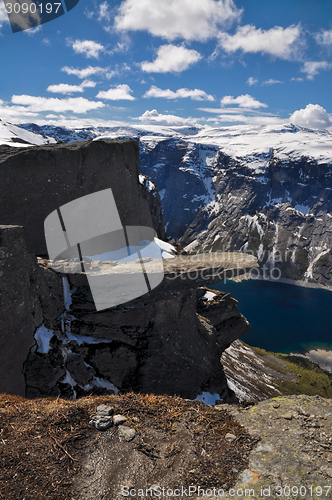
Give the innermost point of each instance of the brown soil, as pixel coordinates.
(48, 449)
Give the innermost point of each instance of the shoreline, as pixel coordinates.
(320, 357)
(287, 281)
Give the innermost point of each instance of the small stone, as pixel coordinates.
(230, 437)
(136, 419)
(102, 422)
(127, 432)
(276, 405)
(328, 472)
(119, 419)
(105, 410)
(288, 416)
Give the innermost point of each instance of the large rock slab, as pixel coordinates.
(36, 181)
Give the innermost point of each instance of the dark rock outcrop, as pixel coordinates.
(28, 296)
(35, 181)
(156, 343)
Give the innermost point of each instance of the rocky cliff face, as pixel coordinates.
(273, 202)
(52, 334)
(35, 181)
(54, 342)
(29, 296)
(166, 342)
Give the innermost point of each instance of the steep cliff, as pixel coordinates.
(35, 181)
(51, 328)
(166, 342)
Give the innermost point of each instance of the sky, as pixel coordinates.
(171, 62)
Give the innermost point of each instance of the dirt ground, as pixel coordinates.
(48, 449)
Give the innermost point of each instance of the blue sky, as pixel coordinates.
(174, 62)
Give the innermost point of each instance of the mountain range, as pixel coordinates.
(259, 189)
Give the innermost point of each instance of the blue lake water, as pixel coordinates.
(284, 318)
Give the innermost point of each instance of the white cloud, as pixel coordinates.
(312, 68)
(196, 94)
(171, 19)
(87, 47)
(171, 58)
(3, 15)
(117, 93)
(155, 118)
(252, 81)
(104, 13)
(78, 122)
(245, 101)
(85, 72)
(324, 38)
(17, 114)
(97, 70)
(65, 88)
(75, 104)
(271, 81)
(278, 42)
(296, 79)
(312, 116)
(247, 120)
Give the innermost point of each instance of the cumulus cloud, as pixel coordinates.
(171, 59)
(252, 81)
(324, 38)
(196, 94)
(171, 19)
(85, 72)
(312, 116)
(278, 42)
(75, 104)
(65, 88)
(312, 68)
(120, 92)
(271, 81)
(89, 48)
(155, 118)
(244, 101)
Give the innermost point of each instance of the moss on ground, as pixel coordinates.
(309, 378)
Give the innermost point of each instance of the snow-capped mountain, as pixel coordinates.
(13, 135)
(264, 189)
